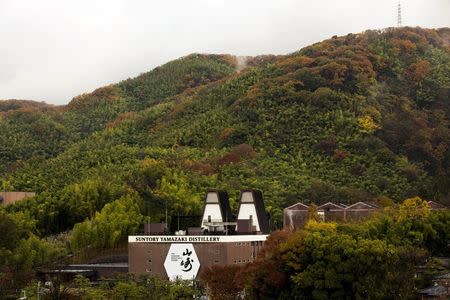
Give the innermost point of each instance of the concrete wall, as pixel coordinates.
(213, 210)
(294, 219)
(245, 211)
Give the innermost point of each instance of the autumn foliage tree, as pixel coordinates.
(370, 259)
(265, 278)
(221, 282)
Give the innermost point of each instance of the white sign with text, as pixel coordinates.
(196, 238)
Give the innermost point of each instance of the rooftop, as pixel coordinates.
(436, 290)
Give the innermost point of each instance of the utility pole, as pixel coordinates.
(38, 295)
(399, 15)
(225, 227)
(166, 215)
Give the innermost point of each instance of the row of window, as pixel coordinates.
(216, 261)
(256, 243)
(242, 261)
(149, 270)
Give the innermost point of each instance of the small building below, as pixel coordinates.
(296, 216)
(7, 198)
(440, 289)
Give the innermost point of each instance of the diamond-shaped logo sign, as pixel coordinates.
(181, 262)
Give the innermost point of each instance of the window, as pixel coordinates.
(150, 261)
(148, 270)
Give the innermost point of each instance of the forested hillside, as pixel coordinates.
(362, 117)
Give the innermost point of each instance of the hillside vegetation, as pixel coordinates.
(362, 117)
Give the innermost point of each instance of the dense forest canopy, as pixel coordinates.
(362, 117)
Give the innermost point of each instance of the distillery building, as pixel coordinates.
(221, 238)
(297, 215)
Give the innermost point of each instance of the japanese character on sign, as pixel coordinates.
(181, 262)
(186, 263)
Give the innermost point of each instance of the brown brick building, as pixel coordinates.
(296, 216)
(221, 239)
(149, 254)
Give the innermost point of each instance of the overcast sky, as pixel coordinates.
(53, 50)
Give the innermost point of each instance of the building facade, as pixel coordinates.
(186, 257)
(296, 216)
(221, 238)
